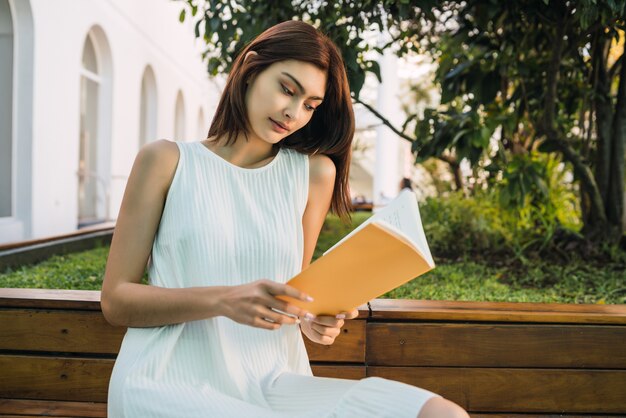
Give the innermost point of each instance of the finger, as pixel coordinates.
(276, 317)
(295, 318)
(348, 315)
(285, 289)
(329, 321)
(352, 314)
(262, 323)
(287, 308)
(326, 331)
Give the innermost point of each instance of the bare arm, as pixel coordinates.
(323, 329)
(127, 302)
(322, 173)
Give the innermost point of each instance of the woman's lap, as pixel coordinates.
(330, 397)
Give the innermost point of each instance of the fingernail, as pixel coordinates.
(340, 316)
(309, 316)
(309, 299)
(297, 321)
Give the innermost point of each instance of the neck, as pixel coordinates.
(248, 154)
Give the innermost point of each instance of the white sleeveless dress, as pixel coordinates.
(225, 225)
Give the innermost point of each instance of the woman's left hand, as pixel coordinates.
(323, 329)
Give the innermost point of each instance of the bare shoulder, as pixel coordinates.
(321, 169)
(157, 161)
(162, 151)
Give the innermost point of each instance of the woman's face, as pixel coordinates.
(282, 98)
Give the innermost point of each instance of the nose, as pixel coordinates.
(291, 113)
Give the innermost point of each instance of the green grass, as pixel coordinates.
(463, 279)
(83, 270)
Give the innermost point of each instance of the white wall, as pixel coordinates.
(138, 33)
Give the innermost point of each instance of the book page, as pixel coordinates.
(402, 213)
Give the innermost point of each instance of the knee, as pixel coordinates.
(439, 407)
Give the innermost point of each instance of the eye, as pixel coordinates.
(286, 90)
(309, 108)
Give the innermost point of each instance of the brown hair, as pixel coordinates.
(331, 127)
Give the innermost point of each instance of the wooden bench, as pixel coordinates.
(494, 359)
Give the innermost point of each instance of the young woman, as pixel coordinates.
(222, 225)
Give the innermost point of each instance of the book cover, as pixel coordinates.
(384, 252)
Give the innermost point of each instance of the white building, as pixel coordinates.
(83, 84)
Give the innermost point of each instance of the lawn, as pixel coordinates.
(458, 279)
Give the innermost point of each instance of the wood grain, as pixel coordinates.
(482, 415)
(30, 407)
(55, 378)
(59, 330)
(496, 345)
(50, 298)
(429, 310)
(338, 371)
(518, 390)
(349, 346)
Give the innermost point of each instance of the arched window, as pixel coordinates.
(179, 118)
(148, 107)
(95, 129)
(202, 126)
(6, 110)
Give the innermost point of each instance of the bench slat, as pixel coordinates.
(539, 416)
(50, 299)
(338, 371)
(59, 330)
(429, 310)
(55, 378)
(52, 408)
(87, 379)
(518, 390)
(496, 345)
(88, 332)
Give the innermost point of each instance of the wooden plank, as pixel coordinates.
(87, 379)
(428, 310)
(32, 407)
(519, 390)
(396, 309)
(59, 330)
(496, 345)
(55, 378)
(349, 346)
(50, 299)
(339, 371)
(539, 416)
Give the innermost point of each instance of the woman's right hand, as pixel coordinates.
(252, 304)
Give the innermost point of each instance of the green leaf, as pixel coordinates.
(215, 23)
(458, 70)
(181, 17)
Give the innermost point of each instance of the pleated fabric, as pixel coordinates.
(224, 225)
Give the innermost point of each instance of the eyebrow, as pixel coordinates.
(300, 86)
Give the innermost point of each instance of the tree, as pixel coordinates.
(541, 76)
(544, 76)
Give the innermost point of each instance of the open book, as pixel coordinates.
(384, 252)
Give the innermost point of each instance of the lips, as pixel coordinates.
(280, 125)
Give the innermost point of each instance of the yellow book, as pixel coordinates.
(384, 252)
